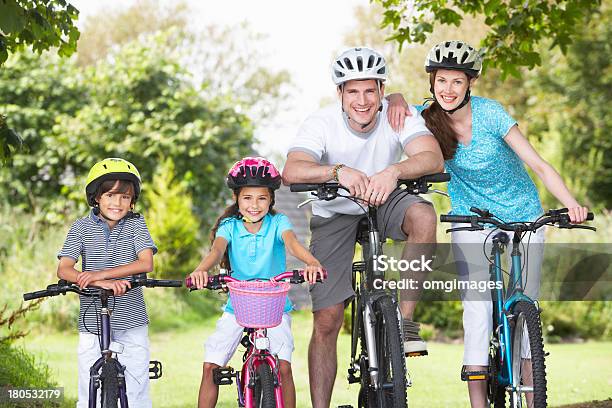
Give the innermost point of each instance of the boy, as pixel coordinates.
(113, 243)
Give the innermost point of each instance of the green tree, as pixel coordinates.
(172, 224)
(215, 55)
(41, 24)
(569, 110)
(515, 28)
(139, 104)
(114, 27)
(10, 141)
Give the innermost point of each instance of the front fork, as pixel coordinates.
(254, 360)
(369, 321)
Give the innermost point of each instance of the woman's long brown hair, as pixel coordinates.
(439, 124)
(232, 211)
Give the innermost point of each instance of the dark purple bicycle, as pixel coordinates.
(107, 373)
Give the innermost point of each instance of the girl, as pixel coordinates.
(251, 238)
(485, 153)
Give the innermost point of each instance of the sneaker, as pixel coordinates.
(414, 345)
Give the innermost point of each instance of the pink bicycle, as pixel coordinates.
(258, 305)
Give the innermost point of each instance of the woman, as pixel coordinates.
(485, 153)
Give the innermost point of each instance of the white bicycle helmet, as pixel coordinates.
(456, 55)
(359, 63)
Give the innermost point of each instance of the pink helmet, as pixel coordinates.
(255, 172)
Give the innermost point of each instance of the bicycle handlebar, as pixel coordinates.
(413, 186)
(559, 217)
(63, 286)
(216, 282)
(304, 187)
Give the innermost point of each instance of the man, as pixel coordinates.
(354, 145)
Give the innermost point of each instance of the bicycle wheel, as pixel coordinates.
(264, 387)
(391, 361)
(496, 392)
(109, 385)
(528, 374)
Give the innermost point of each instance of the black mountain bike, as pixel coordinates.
(377, 353)
(107, 373)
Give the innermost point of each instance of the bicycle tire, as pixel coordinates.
(390, 351)
(527, 318)
(109, 385)
(263, 394)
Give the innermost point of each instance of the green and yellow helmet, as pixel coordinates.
(111, 169)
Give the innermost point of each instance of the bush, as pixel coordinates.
(172, 224)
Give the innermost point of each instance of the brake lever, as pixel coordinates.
(572, 226)
(308, 201)
(464, 229)
(444, 193)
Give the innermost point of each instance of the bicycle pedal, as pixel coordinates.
(344, 406)
(473, 375)
(223, 375)
(155, 369)
(417, 353)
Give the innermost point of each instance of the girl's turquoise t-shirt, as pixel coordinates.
(487, 173)
(256, 256)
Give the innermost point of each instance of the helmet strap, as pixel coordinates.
(466, 99)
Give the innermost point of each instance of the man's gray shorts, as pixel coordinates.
(333, 243)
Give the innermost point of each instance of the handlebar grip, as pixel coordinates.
(456, 218)
(37, 294)
(167, 283)
(436, 178)
(565, 218)
(300, 188)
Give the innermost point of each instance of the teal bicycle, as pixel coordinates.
(517, 329)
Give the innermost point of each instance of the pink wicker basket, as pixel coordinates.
(258, 304)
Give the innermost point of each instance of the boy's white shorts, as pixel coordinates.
(135, 357)
(222, 344)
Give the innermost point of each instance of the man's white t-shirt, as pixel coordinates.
(326, 136)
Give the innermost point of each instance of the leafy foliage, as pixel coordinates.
(172, 224)
(41, 24)
(515, 27)
(139, 105)
(10, 141)
(227, 60)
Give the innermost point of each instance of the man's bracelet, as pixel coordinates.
(335, 170)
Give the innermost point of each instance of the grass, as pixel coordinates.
(576, 372)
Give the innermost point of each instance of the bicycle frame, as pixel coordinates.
(94, 371)
(505, 300)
